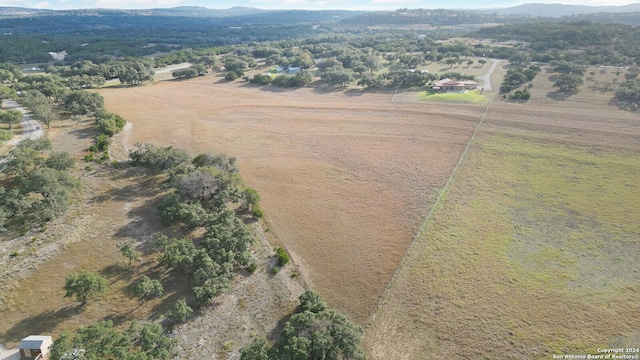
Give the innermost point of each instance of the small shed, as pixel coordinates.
(35, 347)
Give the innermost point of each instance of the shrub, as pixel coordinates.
(253, 266)
(257, 212)
(102, 142)
(520, 95)
(5, 135)
(231, 75)
(282, 256)
(311, 301)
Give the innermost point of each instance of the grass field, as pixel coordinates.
(470, 97)
(534, 250)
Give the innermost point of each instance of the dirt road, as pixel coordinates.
(31, 129)
(486, 79)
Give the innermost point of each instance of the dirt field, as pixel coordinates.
(345, 177)
(534, 251)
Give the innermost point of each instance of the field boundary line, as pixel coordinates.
(428, 218)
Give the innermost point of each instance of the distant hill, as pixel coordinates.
(8, 11)
(559, 10)
(245, 14)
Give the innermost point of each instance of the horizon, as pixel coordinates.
(362, 5)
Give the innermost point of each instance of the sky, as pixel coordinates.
(293, 4)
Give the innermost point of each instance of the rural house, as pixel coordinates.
(454, 85)
(35, 347)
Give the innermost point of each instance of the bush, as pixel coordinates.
(231, 75)
(282, 256)
(102, 142)
(520, 95)
(311, 301)
(253, 266)
(5, 135)
(261, 79)
(257, 212)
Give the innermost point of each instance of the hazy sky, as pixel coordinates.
(293, 4)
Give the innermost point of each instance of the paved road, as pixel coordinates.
(31, 129)
(486, 79)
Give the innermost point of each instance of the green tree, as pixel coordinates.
(521, 58)
(109, 123)
(628, 93)
(60, 160)
(147, 287)
(22, 161)
(101, 341)
(317, 334)
(341, 77)
(257, 350)
(568, 82)
(312, 301)
(179, 312)
(7, 93)
(250, 198)
(10, 117)
(185, 73)
(54, 186)
(128, 250)
(83, 102)
(41, 107)
(84, 286)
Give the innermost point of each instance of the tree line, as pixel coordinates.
(203, 192)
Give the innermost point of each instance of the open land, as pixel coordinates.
(117, 205)
(533, 251)
(345, 177)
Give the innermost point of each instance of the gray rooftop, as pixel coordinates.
(34, 341)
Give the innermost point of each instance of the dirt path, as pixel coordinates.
(486, 79)
(31, 129)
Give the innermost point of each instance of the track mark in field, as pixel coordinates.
(423, 226)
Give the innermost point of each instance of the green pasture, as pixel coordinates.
(470, 97)
(533, 253)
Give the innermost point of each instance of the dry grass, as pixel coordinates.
(118, 205)
(344, 176)
(534, 251)
(86, 239)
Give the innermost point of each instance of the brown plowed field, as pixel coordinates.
(345, 177)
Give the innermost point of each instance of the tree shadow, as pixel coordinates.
(142, 185)
(177, 285)
(277, 89)
(560, 95)
(83, 133)
(118, 272)
(274, 334)
(41, 323)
